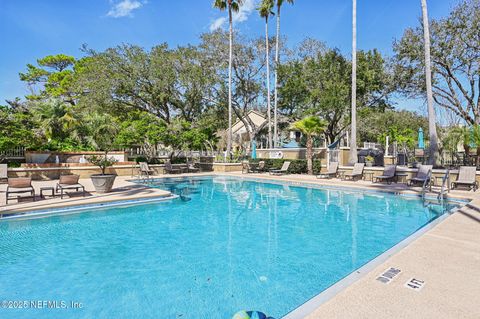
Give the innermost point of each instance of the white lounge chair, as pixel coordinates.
(356, 173)
(467, 176)
(332, 171)
(145, 170)
(281, 171)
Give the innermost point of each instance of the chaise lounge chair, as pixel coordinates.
(145, 170)
(169, 169)
(191, 167)
(20, 185)
(281, 171)
(357, 172)
(258, 168)
(3, 171)
(332, 171)
(423, 175)
(388, 174)
(466, 177)
(67, 182)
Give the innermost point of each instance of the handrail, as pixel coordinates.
(427, 182)
(445, 180)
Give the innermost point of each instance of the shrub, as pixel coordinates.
(297, 166)
(102, 161)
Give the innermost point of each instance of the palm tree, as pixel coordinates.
(56, 119)
(265, 11)
(277, 63)
(432, 128)
(464, 135)
(232, 6)
(310, 126)
(353, 127)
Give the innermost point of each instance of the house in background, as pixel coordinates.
(241, 138)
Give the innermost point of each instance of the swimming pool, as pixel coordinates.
(224, 245)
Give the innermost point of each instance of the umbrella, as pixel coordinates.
(421, 142)
(254, 149)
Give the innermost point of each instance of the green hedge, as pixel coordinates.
(297, 166)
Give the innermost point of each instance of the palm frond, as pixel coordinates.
(220, 4)
(265, 8)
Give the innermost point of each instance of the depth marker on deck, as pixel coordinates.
(415, 284)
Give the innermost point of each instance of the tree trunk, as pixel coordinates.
(353, 136)
(269, 111)
(432, 128)
(277, 64)
(309, 154)
(230, 60)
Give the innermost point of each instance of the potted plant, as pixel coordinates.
(369, 160)
(104, 131)
(103, 183)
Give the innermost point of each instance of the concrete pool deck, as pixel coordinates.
(446, 257)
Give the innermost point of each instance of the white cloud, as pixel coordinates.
(124, 8)
(242, 15)
(218, 23)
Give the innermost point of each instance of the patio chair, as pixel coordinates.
(259, 168)
(246, 167)
(332, 171)
(3, 171)
(191, 167)
(169, 169)
(145, 170)
(466, 177)
(357, 172)
(388, 174)
(67, 182)
(422, 175)
(20, 185)
(281, 171)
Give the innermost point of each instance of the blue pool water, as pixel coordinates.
(226, 245)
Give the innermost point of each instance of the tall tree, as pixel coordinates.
(248, 63)
(320, 83)
(432, 127)
(353, 135)
(277, 63)
(265, 11)
(310, 126)
(455, 52)
(231, 6)
(52, 78)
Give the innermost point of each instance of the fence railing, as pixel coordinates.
(17, 152)
(161, 153)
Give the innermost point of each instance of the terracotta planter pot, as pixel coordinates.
(103, 183)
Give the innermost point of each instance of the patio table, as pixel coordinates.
(401, 177)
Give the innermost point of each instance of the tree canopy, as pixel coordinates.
(455, 55)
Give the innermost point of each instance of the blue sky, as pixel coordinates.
(30, 29)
